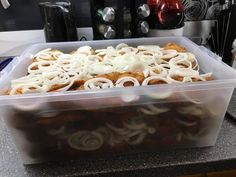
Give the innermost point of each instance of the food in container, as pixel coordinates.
(122, 66)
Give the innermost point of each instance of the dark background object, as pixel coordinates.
(81, 9)
(166, 14)
(111, 29)
(230, 35)
(21, 15)
(130, 19)
(59, 24)
(196, 10)
(140, 15)
(223, 33)
(25, 15)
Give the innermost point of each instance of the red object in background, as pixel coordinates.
(166, 14)
(153, 3)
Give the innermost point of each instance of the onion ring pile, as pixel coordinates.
(122, 66)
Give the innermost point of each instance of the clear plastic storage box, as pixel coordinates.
(78, 124)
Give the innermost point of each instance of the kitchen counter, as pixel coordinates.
(168, 163)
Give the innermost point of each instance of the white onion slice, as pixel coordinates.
(187, 75)
(26, 80)
(67, 65)
(99, 68)
(93, 59)
(120, 46)
(120, 131)
(135, 125)
(194, 110)
(162, 71)
(35, 106)
(98, 83)
(161, 61)
(147, 57)
(193, 97)
(59, 78)
(206, 75)
(86, 141)
(41, 67)
(153, 110)
(129, 50)
(47, 54)
(182, 56)
(101, 51)
(42, 52)
(193, 60)
(152, 48)
(121, 82)
(184, 72)
(147, 80)
(86, 50)
(185, 123)
(26, 89)
(161, 95)
(166, 66)
(176, 63)
(168, 54)
(132, 133)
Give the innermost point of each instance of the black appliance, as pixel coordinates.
(115, 19)
(59, 24)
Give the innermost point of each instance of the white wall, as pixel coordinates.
(15, 42)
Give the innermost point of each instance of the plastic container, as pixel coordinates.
(4, 63)
(78, 124)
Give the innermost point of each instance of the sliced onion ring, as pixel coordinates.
(41, 66)
(153, 110)
(153, 48)
(25, 89)
(168, 54)
(47, 54)
(176, 63)
(129, 50)
(163, 71)
(86, 141)
(120, 46)
(147, 80)
(98, 83)
(121, 82)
